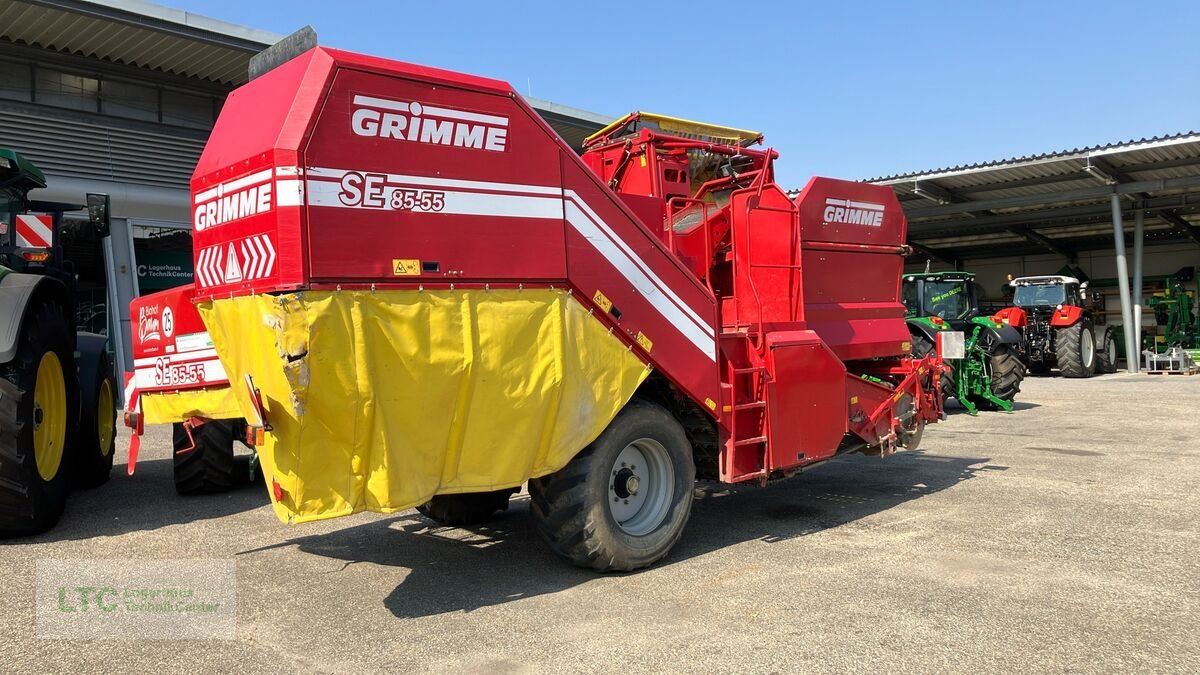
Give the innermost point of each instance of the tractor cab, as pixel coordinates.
(30, 230)
(1047, 293)
(950, 296)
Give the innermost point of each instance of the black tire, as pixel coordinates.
(97, 425)
(1106, 352)
(30, 503)
(466, 509)
(572, 510)
(1076, 358)
(922, 347)
(207, 468)
(1008, 371)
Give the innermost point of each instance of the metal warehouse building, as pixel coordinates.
(1092, 211)
(119, 97)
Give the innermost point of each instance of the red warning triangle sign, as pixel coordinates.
(233, 267)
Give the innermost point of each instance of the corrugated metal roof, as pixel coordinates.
(136, 33)
(143, 34)
(1154, 147)
(1057, 201)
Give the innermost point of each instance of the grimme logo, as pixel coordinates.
(849, 212)
(237, 199)
(404, 121)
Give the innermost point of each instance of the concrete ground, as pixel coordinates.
(1060, 538)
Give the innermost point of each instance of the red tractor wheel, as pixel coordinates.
(1075, 349)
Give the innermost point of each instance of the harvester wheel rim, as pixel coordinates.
(49, 416)
(642, 487)
(105, 411)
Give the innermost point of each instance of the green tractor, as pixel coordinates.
(58, 394)
(990, 374)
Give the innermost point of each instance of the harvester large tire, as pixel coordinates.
(207, 468)
(1008, 371)
(1075, 349)
(39, 413)
(466, 509)
(97, 425)
(622, 502)
(1106, 355)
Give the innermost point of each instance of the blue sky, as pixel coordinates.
(845, 89)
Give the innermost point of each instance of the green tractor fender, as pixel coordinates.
(17, 292)
(924, 327)
(997, 333)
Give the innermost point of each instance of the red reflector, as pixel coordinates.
(277, 490)
(936, 320)
(36, 256)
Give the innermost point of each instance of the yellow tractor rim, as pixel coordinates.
(104, 417)
(49, 416)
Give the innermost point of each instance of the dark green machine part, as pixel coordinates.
(1174, 307)
(57, 386)
(1174, 311)
(944, 301)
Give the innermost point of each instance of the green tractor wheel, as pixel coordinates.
(97, 423)
(1007, 372)
(39, 400)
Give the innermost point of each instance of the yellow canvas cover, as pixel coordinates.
(381, 399)
(217, 403)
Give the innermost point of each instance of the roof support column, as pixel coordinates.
(1131, 347)
(1139, 240)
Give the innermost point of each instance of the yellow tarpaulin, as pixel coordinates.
(380, 400)
(217, 403)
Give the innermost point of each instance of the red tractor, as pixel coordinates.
(1059, 325)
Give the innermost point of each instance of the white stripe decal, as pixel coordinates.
(426, 181)
(289, 192)
(131, 401)
(630, 268)
(179, 357)
(214, 373)
(38, 228)
(532, 205)
(465, 116)
(644, 267)
(325, 193)
(386, 104)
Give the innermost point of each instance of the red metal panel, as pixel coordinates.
(246, 190)
(1067, 315)
(853, 258)
(464, 181)
(610, 252)
(766, 245)
(855, 213)
(1012, 316)
(807, 399)
(171, 347)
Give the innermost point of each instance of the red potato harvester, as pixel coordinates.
(418, 295)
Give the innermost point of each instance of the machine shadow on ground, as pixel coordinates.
(147, 501)
(954, 408)
(491, 564)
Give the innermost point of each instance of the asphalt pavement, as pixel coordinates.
(1060, 538)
